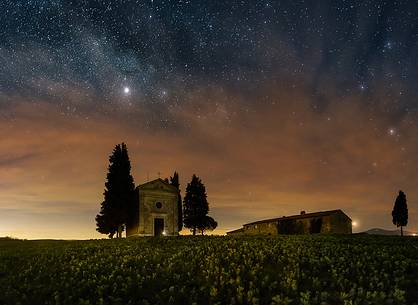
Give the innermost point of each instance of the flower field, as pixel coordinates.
(212, 270)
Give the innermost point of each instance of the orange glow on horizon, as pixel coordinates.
(266, 164)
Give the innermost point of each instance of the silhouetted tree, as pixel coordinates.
(104, 221)
(196, 206)
(208, 224)
(175, 182)
(119, 194)
(400, 211)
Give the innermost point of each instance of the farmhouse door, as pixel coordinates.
(158, 226)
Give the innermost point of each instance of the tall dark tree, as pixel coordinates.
(119, 194)
(174, 181)
(196, 207)
(400, 212)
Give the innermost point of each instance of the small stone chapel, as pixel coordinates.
(156, 210)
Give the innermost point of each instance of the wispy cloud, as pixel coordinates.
(272, 160)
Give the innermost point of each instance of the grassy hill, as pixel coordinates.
(357, 269)
(378, 231)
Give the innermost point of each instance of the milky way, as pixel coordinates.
(278, 106)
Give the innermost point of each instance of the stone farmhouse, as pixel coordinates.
(335, 221)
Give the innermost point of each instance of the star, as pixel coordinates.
(392, 131)
(388, 45)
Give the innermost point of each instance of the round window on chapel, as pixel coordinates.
(158, 205)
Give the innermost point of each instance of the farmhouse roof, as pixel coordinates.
(236, 231)
(300, 216)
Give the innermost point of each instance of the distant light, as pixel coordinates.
(392, 131)
(414, 234)
(354, 223)
(126, 90)
(164, 233)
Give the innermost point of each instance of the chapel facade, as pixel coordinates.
(156, 210)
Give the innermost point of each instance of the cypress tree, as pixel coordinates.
(119, 194)
(174, 181)
(196, 207)
(400, 211)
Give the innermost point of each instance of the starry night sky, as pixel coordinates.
(279, 106)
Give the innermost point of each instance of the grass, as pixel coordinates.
(212, 270)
